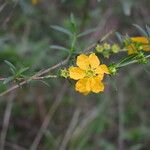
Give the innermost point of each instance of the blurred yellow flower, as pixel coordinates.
(138, 43)
(89, 74)
(34, 2)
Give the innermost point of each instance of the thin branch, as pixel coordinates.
(48, 118)
(35, 76)
(6, 121)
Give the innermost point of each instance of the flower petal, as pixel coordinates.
(96, 85)
(101, 69)
(100, 77)
(88, 84)
(81, 86)
(76, 73)
(146, 47)
(83, 62)
(93, 60)
(140, 39)
(131, 49)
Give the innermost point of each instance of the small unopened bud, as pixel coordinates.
(106, 46)
(64, 73)
(106, 53)
(99, 48)
(142, 58)
(112, 69)
(115, 48)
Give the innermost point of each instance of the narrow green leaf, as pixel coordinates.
(12, 71)
(148, 30)
(141, 30)
(22, 70)
(72, 19)
(57, 47)
(73, 23)
(127, 59)
(86, 32)
(61, 29)
(10, 64)
(119, 36)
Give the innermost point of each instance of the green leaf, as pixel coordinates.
(119, 36)
(10, 65)
(61, 29)
(57, 47)
(127, 59)
(12, 71)
(86, 32)
(141, 30)
(22, 70)
(73, 23)
(148, 30)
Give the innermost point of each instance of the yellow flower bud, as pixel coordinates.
(64, 73)
(106, 46)
(99, 48)
(115, 48)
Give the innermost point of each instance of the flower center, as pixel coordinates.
(90, 73)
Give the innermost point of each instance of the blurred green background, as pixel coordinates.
(54, 116)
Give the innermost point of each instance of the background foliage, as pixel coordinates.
(115, 119)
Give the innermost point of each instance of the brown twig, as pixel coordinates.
(48, 118)
(35, 76)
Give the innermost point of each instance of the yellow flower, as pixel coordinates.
(89, 74)
(138, 43)
(34, 2)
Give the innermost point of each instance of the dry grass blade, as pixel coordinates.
(95, 112)
(69, 132)
(6, 121)
(48, 118)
